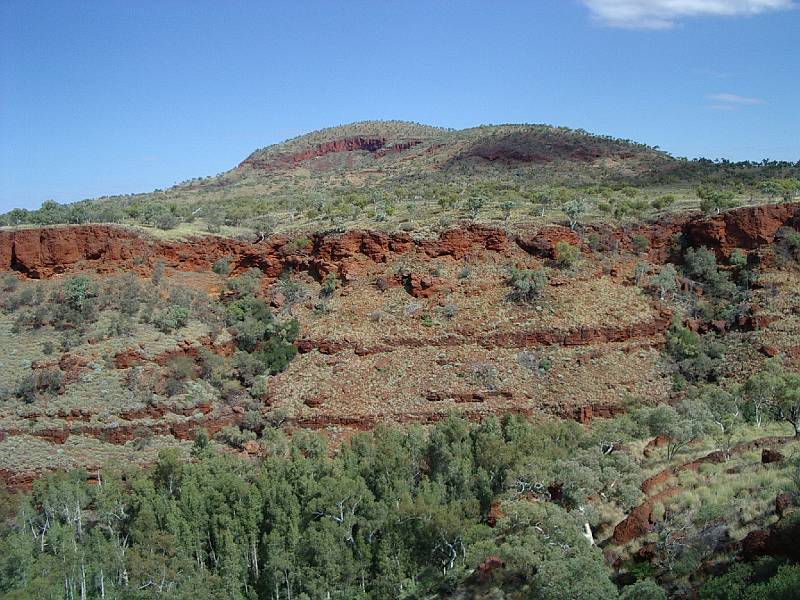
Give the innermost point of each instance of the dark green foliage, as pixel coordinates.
(647, 589)
(473, 205)
(166, 220)
(246, 284)
(265, 343)
(12, 301)
(739, 262)
(785, 188)
(775, 392)
(697, 358)
(75, 303)
(393, 515)
(767, 579)
(527, 285)
(328, 287)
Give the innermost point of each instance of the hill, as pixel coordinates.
(395, 174)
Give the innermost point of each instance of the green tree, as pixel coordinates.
(715, 200)
(574, 210)
(679, 426)
(666, 282)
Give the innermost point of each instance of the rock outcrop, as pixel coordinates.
(377, 146)
(43, 252)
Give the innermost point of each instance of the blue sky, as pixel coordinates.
(106, 97)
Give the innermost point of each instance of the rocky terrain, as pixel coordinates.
(417, 328)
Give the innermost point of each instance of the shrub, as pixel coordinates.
(166, 220)
(235, 437)
(715, 200)
(46, 382)
(221, 266)
(527, 285)
(486, 375)
(212, 367)
(214, 220)
(119, 325)
(300, 244)
(473, 205)
(640, 243)
(531, 361)
(787, 245)
(9, 283)
(158, 272)
(181, 367)
(293, 293)
(640, 271)
(12, 302)
(449, 311)
(171, 318)
(663, 201)
(257, 333)
(701, 266)
(78, 292)
(126, 293)
(328, 286)
(173, 387)
(566, 254)
(666, 281)
(697, 358)
(574, 209)
(246, 284)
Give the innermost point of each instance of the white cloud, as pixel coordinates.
(735, 99)
(661, 14)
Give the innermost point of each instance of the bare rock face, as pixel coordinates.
(484, 572)
(40, 253)
(769, 456)
(640, 520)
(378, 147)
(779, 540)
(495, 514)
(746, 228)
(543, 242)
(784, 503)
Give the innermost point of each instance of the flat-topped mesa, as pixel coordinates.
(378, 146)
(43, 252)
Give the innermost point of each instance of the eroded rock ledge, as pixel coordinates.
(43, 252)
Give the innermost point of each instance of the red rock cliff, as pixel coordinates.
(40, 253)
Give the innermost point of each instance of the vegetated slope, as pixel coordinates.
(393, 175)
(413, 328)
(384, 152)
